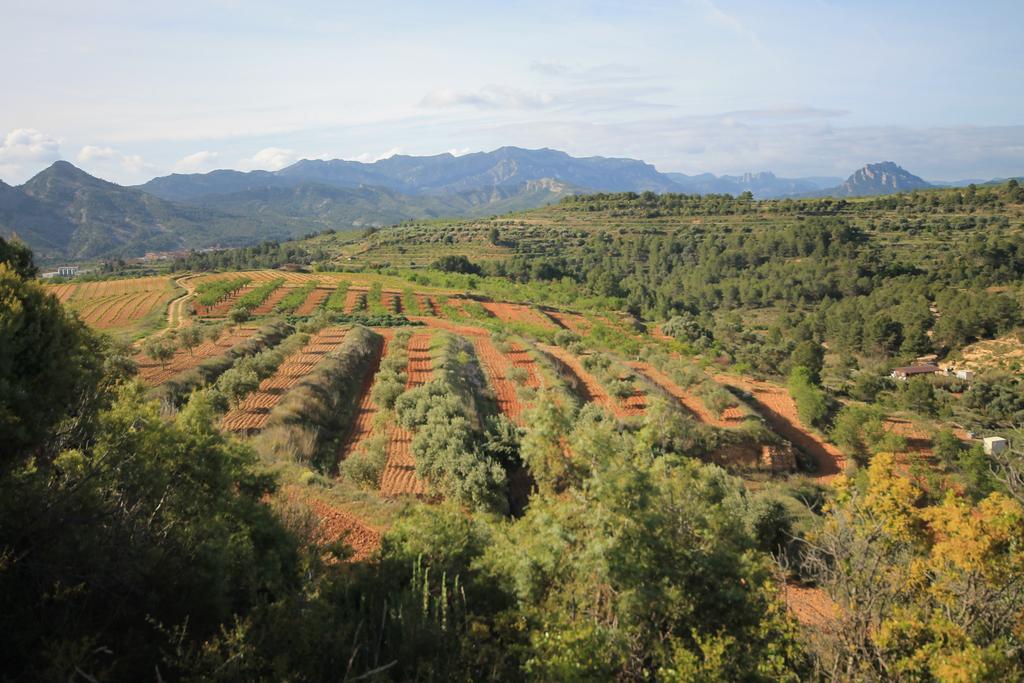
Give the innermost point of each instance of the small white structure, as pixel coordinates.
(67, 271)
(994, 445)
(966, 375)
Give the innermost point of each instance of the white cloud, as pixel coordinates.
(489, 97)
(110, 159)
(28, 145)
(370, 157)
(24, 150)
(269, 159)
(197, 162)
(460, 152)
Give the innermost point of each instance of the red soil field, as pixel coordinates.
(313, 302)
(355, 298)
(399, 476)
(271, 301)
(655, 331)
(62, 292)
(152, 373)
(123, 309)
(518, 313)
(362, 426)
(730, 418)
(458, 304)
(428, 305)
(777, 407)
(811, 606)
(496, 366)
(392, 300)
(221, 308)
(595, 392)
(335, 523)
(444, 324)
(251, 414)
(573, 322)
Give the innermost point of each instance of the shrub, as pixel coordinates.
(323, 405)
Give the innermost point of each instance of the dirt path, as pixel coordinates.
(778, 408)
(176, 308)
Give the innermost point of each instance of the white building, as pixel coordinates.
(966, 375)
(994, 445)
(67, 271)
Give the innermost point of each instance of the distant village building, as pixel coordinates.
(966, 375)
(994, 445)
(909, 371)
(67, 271)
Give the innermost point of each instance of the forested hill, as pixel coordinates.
(904, 274)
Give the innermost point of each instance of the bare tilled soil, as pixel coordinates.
(496, 366)
(399, 476)
(595, 392)
(251, 414)
(315, 299)
(222, 307)
(570, 321)
(153, 373)
(428, 305)
(355, 298)
(811, 606)
(272, 300)
(520, 313)
(362, 426)
(335, 523)
(392, 300)
(730, 418)
(778, 408)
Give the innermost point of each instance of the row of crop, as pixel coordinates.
(463, 449)
(257, 296)
(336, 301)
(175, 391)
(210, 292)
(308, 424)
(295, 297)
(366, 465)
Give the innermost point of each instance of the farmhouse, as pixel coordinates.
(994, 445)
(908, 371)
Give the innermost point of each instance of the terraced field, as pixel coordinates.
(399, 476)
(592, 389)
(153, 373)
(251, 413)
(355, 298)
(314, 301)
(362, 425)
(118, 305)
(731, 417)
(518, 313)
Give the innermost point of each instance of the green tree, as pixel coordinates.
(51, 367)
(189, 338)
(809, 354)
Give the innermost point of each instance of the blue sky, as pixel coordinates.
(129, 90)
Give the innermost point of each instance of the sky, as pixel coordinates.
(132, 90)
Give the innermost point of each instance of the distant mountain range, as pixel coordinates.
(64, 213)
